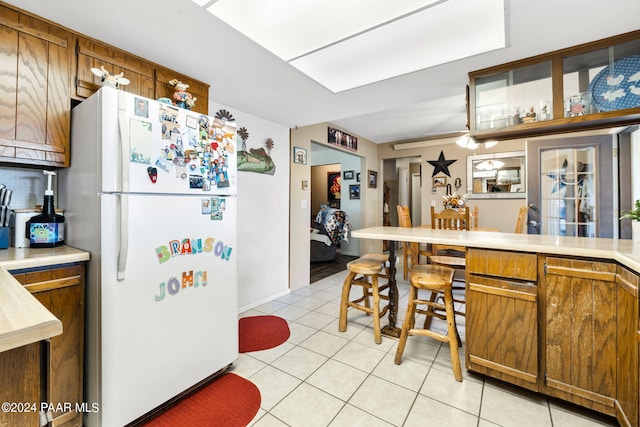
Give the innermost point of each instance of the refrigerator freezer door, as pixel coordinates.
(173, 320)
(172, 150)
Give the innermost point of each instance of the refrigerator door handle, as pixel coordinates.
(123, 223)
(123, 125)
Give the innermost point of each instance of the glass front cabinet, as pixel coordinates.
(590, 86)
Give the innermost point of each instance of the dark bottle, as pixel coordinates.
(47, 229)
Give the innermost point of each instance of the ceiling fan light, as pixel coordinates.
(467, 141)
(490, 144)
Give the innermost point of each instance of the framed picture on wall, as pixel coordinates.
(299, 155)
(354, 191)
(347, 175)
(333, 186)
(439, 181)
(373, 179)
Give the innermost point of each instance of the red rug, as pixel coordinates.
(227, 401)
(262, 332)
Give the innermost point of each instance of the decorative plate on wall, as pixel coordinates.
(617, 87)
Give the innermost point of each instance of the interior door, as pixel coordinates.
(570, 186)
(403, 187)
(416, 200)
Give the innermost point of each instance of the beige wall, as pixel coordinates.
(495, 213)
(301, 203)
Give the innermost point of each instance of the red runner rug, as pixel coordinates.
(262, 332)
(227, 401)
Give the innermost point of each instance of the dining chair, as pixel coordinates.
(522, 219)
(404, 220)
(450, 255)
(474, 216)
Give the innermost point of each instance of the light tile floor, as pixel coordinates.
(323, 377)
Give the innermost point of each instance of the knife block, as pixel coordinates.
(4, 237)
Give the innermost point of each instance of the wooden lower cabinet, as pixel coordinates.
(565, 327)
(502, 316)
(579, 330)
(627, 386)
(20, 379)
(61, 290)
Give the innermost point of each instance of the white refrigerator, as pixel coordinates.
(151, 194)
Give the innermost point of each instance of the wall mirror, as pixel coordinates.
(496, 176)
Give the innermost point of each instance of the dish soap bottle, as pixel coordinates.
(47, 229)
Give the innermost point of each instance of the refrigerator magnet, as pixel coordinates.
(153, 174)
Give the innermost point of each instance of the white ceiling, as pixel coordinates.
(245, 76)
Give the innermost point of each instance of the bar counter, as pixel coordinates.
(626, 252)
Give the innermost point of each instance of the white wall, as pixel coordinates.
(263, 216)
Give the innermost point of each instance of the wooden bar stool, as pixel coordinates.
(369, 266)
(437, 279)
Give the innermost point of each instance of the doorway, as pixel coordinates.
(403, 177)
(326, 162)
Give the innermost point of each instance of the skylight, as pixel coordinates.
(346, 44)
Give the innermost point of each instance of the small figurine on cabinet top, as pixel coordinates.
(530, 116)
(577, 106)
(108, 79)
(182, 98)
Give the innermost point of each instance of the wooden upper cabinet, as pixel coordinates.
(590, 86)
(35, 106)
(92, 54)
(199, 90)
(146, 78)
(43, 66)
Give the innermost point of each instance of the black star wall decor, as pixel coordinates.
(441, 165)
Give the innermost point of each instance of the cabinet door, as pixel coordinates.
(92, 54)
(35, 108)
(61, 291)
(20, 376)
(502, 316)
(580, 332)
(627, 326)
(503, 341)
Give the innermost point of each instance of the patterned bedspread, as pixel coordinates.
(336, 223)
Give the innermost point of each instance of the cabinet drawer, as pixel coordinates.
(36, 280)
(504, 264)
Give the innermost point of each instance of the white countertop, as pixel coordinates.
(23, 320)
(626, 252)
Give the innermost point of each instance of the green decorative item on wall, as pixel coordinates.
(256, 160)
